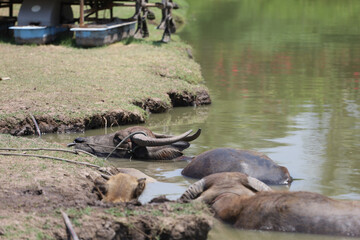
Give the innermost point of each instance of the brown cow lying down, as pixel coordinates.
(248, 203)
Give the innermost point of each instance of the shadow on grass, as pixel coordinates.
(131, 40)
(7, 38)
(70, 41)
(67, 40)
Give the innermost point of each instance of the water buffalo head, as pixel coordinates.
(121, 187)
(136, 142)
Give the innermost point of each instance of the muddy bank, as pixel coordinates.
(34, 191)
(62, 124)
(167, 220)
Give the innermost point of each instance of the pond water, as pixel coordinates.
(284, 79)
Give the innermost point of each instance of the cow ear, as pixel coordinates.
(257, 185)
(141, 180)
(166, 153)
(117, 139)
(101, 187)
(140, 187)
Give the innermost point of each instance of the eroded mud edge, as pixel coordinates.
(63, 124)
(150, 221)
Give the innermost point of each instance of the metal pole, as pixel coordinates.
(96, 8)
(10, 10)
(81, 20)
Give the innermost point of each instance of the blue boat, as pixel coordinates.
(103, 34)
(37, 34)
(41, 21)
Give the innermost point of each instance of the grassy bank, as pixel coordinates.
(81, 88)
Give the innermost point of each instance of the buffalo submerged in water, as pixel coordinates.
(252, 163)
(248, 203)
(136, 142)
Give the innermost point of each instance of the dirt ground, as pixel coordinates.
(34, 191)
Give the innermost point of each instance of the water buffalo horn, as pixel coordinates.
(192, 137)
(258, 185)
(146, 141)
(186, 139)
(193, 191)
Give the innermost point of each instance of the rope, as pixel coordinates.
(54, 158)
(36, 125)
(122, 141)
(69, 228)
(76, 151)
(104, 146)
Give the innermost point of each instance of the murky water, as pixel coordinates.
(284, 79)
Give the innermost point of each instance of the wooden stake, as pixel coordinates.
(81, 21)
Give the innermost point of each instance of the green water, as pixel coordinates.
(284, 79)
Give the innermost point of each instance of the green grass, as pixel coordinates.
(15, 232)
(78, 213)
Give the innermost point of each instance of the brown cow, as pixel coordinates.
(245, 203)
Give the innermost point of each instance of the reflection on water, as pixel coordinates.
(284, 78)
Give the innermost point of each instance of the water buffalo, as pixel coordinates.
(252, 163)
(247, 204)
(121, 187)
(136, 142)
